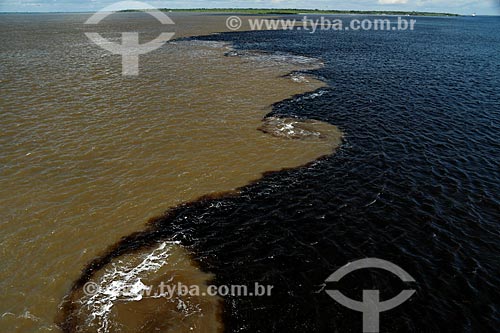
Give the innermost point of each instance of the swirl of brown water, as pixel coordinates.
(88, 157)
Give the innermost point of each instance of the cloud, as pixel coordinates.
(392, 2)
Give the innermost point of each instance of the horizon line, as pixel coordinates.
(250, 8)
(208, 9)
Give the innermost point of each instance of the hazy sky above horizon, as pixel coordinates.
(481, 7)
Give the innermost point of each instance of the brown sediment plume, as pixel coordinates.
(156, 287)
(92, 153)
(106, 311)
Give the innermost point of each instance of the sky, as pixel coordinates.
(481, 7)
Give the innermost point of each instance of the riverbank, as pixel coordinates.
(257, 11)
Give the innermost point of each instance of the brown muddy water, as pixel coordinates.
(88, 156)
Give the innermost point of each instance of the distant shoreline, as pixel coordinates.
(257, 11)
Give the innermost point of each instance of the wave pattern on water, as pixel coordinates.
(86, 151)
(416, 183)
(121, 283)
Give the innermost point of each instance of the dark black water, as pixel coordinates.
(417, 182)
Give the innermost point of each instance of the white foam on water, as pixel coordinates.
(207, 43)
(122, 282)
(299, 78)
(314, 95)
(289, 127)
(276, 57)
